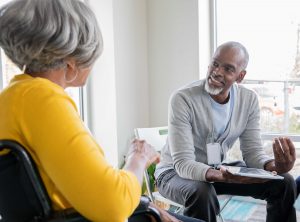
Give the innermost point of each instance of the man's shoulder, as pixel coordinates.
(244, 91)
(246, 96)
(193, 84)
(191, 88)
(187, 93)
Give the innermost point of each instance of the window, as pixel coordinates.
(8, 70)
(270, 30)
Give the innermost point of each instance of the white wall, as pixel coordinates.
(130, 25)
(102, 86)
(150, 49)
(173, 51)
(207, 35)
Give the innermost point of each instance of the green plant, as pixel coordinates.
(150, 170)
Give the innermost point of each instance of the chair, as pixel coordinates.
(157, 136)
(23, 196)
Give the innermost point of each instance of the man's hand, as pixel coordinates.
(224, 176)
(284, 156)
(165, 216)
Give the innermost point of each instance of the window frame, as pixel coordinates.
(264, 135)
(1, 70)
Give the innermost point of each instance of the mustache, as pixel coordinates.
(216, 77)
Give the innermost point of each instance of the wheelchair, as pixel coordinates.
(23, 197)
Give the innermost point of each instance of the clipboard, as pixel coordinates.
(253, 172)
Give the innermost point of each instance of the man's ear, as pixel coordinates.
(241, 76)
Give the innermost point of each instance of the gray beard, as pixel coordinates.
(211, 90)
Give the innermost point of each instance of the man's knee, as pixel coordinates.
(289, 181)
(202, 197)
(285, 188)
(201, 191)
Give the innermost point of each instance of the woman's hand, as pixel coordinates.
(140, 156)
(164, 215)
(141, 149)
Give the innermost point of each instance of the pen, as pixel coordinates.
(280, 145)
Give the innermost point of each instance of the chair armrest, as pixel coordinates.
(144, 203)
(144, 212)
(67, 215)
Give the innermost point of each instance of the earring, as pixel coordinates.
(71, 80)
(24, 68)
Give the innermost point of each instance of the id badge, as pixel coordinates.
(213, 153)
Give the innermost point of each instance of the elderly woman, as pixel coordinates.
(55, 43)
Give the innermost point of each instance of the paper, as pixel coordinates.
(213, 153)
(253, 172)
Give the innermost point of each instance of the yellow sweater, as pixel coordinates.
(41, 116)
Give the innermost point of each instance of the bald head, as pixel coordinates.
(239, 50)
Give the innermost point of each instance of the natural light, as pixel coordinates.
(270, 30)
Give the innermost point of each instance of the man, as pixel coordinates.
(205, 119)
(298, 185)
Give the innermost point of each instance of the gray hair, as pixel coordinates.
(239, 46)
(42, 34)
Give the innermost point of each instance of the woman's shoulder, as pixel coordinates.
(35, 87)
(33, 91)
